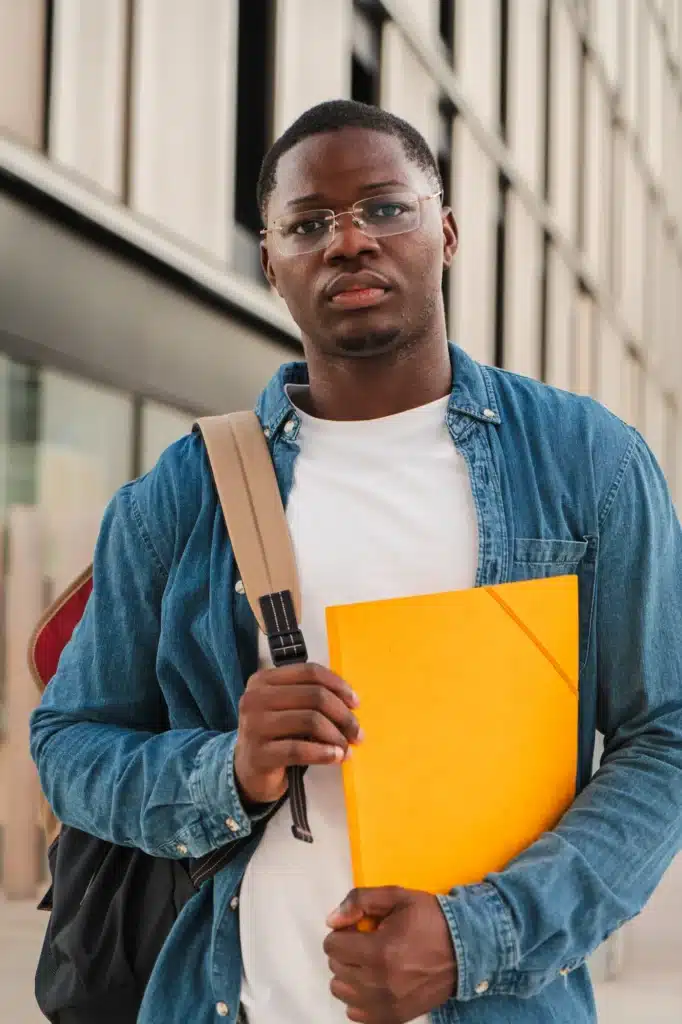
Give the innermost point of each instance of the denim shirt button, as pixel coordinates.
(564, 972)
(266, 433)
(239, 587)
(234, 902)
(289, 426)
(222, 1009)
(482, 988)
(489, 414)
(181, 848)
(232, 825)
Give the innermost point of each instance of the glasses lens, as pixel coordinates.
(390, 214)
(304, 232)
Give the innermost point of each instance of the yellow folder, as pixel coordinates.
(469, 703)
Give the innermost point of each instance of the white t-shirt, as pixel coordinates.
(378, 509)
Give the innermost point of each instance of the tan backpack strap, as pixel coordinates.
(256, 522)
(251, 502)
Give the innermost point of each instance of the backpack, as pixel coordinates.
(112, 907)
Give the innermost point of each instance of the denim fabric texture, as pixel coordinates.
(134, 739)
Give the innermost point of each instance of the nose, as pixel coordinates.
(349, 241)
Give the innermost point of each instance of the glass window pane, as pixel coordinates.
(84, 456)
(183, 111)
(477, 58)
(161, 426)
(309, 70)
(611, 370)
(655, 420)
(523, 266)
(526, 85)
(406, 88)
(22, 69)
(475, 203)
(560, 322)
(18, 433)
(596, 171)
(563, 170)
(87, 109)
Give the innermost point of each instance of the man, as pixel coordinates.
(407, 468)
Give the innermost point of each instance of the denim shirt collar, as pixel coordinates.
(472, 393)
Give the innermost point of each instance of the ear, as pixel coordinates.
(267, 266)
(450, 236)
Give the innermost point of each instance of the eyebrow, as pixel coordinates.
(319, 197)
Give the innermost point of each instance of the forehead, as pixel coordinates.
(337, 165)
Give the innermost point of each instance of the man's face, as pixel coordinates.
(402, 273)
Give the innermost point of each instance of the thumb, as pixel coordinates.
(363, 903)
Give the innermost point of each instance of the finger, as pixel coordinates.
(309, 672)
(357, 997)
(258, 706)
(364, 903)
(353, 949)
(310, 725)
(289, 753)
(351, 974)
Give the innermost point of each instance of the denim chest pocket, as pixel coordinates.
(538, 558)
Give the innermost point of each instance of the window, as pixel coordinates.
(522, 269)
(254, 127)
(655, 420)
(366, 55)
(446, 27)
(84, 455)
(89, 90)
(559, 321)
(606, 28)
(654, 98)
(501, 269)
(407, 88)
(633, 214)
(161, 426)
(19, 410)
(563, 99)
(611, 370)
(585, 343)
(475, 203)
(524, 112)
(477, 56)
(23, 33)
(182, 122)
(595, 167)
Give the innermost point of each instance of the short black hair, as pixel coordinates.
(333, 116)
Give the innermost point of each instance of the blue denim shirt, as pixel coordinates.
(560, 486)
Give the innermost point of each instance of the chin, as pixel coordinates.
(369, 343)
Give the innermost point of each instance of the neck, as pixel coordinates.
(370, 388)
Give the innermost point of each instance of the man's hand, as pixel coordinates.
(403, 969)
(295, 715)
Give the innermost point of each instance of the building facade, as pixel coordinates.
(131, 296)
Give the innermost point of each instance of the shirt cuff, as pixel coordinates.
(482, 934)
(216, 796)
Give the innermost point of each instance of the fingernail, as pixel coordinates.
(339, 753)
(347, 756)
(360, 736)
(355, 699)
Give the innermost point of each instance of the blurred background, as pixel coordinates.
(131, 297)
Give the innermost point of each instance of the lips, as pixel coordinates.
(357, 291)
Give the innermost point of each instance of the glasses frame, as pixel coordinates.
(349, 211)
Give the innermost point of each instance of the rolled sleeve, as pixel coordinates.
(215, 794)
(482, 934)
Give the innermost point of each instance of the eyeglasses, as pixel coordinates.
(379, 216)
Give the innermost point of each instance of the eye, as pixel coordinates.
(385, 210)
(303, 227)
